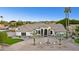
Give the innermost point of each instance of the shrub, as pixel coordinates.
(77, 40)
(3, 36)
(4, 39)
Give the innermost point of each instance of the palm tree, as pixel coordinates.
(1, 17)
(67, 10)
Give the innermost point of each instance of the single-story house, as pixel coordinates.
(3, 27)
(40, 29)
(12, 29)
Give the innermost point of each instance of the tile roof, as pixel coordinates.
(2, 26)
(31, 27)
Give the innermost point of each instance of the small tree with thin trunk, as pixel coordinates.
(34, 35)
(59, 37)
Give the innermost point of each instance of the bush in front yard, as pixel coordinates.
(3, 36)
(77, 40)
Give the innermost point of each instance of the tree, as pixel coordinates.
(34, 35)
(19, 23)
(4, 22)
(63, 21)
(74, 21)
(59, 36)
(67, 10)
(1, 17)
(12, 23)
(77, 30)
(71, 21)
(3, 36)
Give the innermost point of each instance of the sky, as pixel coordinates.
(36, 13)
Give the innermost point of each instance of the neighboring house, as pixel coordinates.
(12, 29)
(3, 27)
(41, 29)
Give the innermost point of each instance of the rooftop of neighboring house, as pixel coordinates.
(31, 27)
(12, 21)
(2, 27)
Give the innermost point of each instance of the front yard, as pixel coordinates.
(4, 39)
(11, 41)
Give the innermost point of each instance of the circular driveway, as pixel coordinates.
(41, 45)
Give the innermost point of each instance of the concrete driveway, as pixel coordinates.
(41, 45)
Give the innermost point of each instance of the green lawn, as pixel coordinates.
(11, 41)
(77, 40)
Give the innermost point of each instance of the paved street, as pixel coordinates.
(41, 44)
